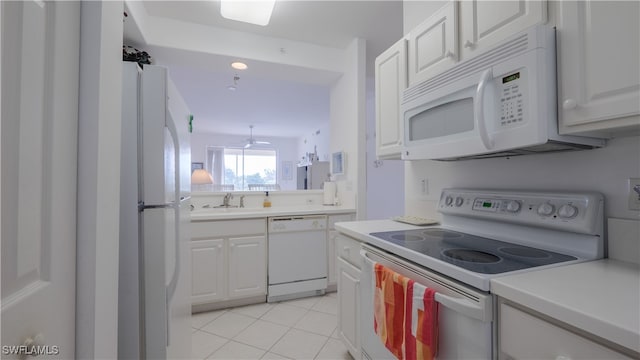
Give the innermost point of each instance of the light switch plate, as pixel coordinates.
(634, 197)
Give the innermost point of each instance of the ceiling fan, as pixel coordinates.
(251, 141)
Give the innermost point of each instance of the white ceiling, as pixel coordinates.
(280, 100)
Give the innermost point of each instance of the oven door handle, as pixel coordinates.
(464, 306)
(461, 305)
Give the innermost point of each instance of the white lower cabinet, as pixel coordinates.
(349, 270)
(525, 336)
(349, 307)
(247, 264)
(228, 260)
(332, 235)
(207, 270)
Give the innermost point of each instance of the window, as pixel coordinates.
(241, 167)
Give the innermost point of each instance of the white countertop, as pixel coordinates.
(360, 230)
(252, 213)
(600, 297)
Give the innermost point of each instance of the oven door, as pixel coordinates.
(465, 315)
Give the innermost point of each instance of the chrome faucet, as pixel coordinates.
(242, 201)
(227, 198)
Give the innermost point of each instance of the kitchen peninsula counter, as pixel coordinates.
(252, 213)
(600, 297)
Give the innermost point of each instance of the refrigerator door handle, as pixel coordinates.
(171, 288)
(170, 205)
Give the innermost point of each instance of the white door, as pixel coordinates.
(433, 45)
(598, 57)
(484, 23)
(349, 307)
(208, 271)
(391, 80)
(40, 42)
(247, 266)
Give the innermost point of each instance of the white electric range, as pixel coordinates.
(483, 234)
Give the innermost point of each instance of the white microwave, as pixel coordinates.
(499, 103)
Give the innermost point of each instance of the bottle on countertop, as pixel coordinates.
(267, 202)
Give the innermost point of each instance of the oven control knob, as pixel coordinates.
(567, 211)
(513, 206)
(448, 200)
(459, 201)
(545, 209)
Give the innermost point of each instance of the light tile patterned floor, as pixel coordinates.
(296, 329)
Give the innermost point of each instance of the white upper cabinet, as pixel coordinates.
(485, 23)
(391, 80)
(598, 67)
(433, 45)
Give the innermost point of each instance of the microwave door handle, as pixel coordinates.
(481, 121)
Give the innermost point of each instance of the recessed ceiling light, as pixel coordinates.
(256, 12)
(239, 65)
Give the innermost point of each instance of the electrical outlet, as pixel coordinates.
(424, 187)
(634, 193)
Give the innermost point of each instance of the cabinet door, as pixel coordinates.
(247, 266)
(485, 23)
(517, 329)
(598, 72)
(391, 80)
(207, 271)
(349, 307)
(433, 45)
(331, 257)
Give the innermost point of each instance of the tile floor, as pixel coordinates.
(295, 329)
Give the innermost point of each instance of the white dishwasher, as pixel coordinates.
(297, 257)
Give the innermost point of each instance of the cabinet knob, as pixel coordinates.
(449, 54)
(468, 44)
(569, 104)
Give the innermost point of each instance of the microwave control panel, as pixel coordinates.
(512, 98)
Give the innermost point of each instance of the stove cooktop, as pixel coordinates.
(470, 252)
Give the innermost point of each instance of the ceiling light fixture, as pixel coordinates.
(256, 12)
(235, 83)
(238, 65)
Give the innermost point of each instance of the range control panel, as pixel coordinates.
(565, 211)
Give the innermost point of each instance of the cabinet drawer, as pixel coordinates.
(524, 336)
(339, 218)
(349, 249)
(209, 229)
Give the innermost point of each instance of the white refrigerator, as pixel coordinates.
(154, 309)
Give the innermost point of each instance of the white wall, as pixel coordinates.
(316, 139)
(347, 122)
(605, 170)
(385, 178)
(99, 180)
(287, 150)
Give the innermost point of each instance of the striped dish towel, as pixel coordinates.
(405, 315)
